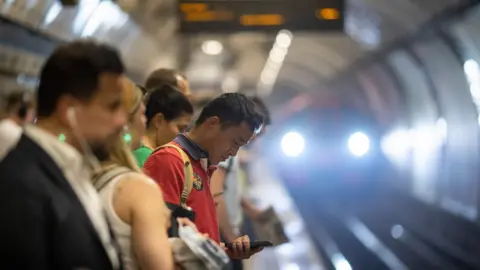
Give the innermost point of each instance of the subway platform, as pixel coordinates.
(299, 254)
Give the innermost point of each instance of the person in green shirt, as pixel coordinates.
(168, 112)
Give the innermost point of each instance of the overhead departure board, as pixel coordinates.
(228, 16)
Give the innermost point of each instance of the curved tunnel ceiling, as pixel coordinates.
(370, 24)
(380, 18)
(144, 30)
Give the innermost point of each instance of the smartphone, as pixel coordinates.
(254, 244)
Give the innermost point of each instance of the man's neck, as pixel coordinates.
(150, 139)
(198, 137)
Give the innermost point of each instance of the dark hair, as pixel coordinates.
(263, 109)
(163, 76)
(233, 109)
(74, 69)
(168, 101)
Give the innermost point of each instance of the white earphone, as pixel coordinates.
(72, 117)
(72, 122)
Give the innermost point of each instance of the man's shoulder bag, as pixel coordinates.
(182, 210)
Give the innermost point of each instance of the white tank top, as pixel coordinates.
(122, 230)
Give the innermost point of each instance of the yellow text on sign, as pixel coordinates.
(194, 7)
(208, 16)
(328, 14)
(261, 19)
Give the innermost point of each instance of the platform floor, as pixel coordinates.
(300, 253)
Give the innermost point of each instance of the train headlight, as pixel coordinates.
(359, 144)
(292, 144)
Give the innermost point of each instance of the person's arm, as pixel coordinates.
(139, 202)
(166, 169)
(217, 182)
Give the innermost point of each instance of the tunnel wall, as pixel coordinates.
(426, 93)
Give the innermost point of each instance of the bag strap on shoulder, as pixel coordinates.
(100, 181)
(187, 172)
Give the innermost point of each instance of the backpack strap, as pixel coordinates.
(187, 172)
(101, 180)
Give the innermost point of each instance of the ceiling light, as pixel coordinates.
(212, 47)
(230, 85)
(284, 38)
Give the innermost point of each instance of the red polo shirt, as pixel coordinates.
(166, 168)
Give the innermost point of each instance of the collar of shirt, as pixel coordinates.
(64, 155)
(195, 151)
(192, 148)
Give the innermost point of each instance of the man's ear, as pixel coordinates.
(158, 119)
(212, 122)
(64, 104)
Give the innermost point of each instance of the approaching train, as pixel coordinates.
(325, 147)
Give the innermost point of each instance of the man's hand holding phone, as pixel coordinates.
(186, 222)
(241, 248)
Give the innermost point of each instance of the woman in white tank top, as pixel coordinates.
(134, 203)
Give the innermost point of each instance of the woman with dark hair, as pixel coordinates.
(168, 112)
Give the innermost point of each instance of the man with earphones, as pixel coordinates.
(16, 109)
(51, 216)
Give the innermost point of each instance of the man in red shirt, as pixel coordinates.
(224, 125)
